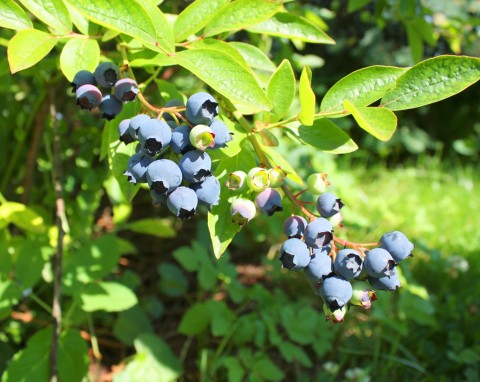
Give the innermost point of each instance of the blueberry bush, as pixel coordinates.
(163, 134)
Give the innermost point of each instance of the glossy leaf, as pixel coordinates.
(193, 18)
(222, 46)
(292, 26)
(52, 12)
(222, 229)
(362, 87)
(27, 48)
(254, 57)
(307, 97)
(431, 81)
(379, 122)
(32, 363)
(327, 136)
(241, 14)
(226, 76)
(108, 296)
(281, 90)
(79, 54)
(139, 20)
(12, 16)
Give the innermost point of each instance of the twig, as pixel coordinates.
(62, 227)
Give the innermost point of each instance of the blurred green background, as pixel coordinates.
(243, 318)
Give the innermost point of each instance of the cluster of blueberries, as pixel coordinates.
(182, 185)
(331, 271)
(106, 76)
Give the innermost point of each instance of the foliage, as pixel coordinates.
(195, 315)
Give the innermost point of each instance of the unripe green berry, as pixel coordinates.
(317, 183)
(257, 179)
(202, 137)
(276, 176)
(236, 180)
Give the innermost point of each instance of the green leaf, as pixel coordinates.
(355, 5)
(172, 281)
(196, 319)
(195, 17)
(145, 58)
(106, 295)
(222, 318)
(94, 260)
(9, 296)
(12, 16)
(431, 81)
(307, 97)
(52, 12)
(228, 77)
(236, 372)
(130, 324)
(241, 14)
(281, 90)
(139, 20)
(414, 42)
(291, 352)
(154, 361)
(254, 57)
(362, 88)
(265, 369)
(293, 27)
(379, 122)
(21, 216)
(32, 363)
(222, 229)
(79, 54)
(222, 46)
(327, 136)
(152, 226)
(27, 48)
(29, 263)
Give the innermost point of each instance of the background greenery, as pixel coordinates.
(242, 318)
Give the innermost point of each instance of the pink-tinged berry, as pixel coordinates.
(336, 315)
(363, 295)
(269, 201)
(125, 90)
(243, 210)
(88, 96)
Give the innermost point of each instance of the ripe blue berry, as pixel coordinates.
(320, 265)
(195, 166)
(378, 262)
(389, 283)
(348, 264)
(83, 77)
(164, 176)
(318, 233)
(294, 226)
(106, 74)
(154, 135)
(135, 124)
(335, 292)
(110, 107)
(124, 132)
(243, 210)
(269, 201)
(88, 96)
(397, 244)
(201, 108)
(294, 254)
(180, 142)
(137, 168)
(221, 133)
(182, 202)
(125, 90)
(208, 191)
(328, 205)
